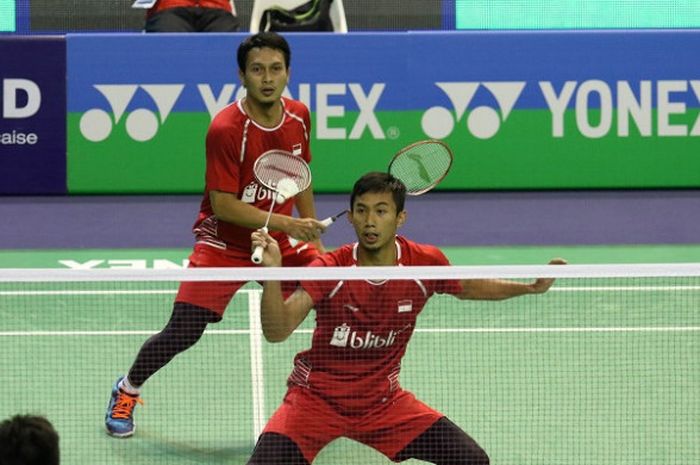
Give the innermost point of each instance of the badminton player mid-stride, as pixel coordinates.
(235, 202)
(334, 390)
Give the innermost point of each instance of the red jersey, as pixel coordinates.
(234, 142)
(166, 4)
(363, 327)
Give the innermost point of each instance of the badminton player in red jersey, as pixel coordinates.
(347, 383)
(234, 204)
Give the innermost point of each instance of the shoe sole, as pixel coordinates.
(121, 435)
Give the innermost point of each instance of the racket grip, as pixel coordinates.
(256, 257)
(331, 219)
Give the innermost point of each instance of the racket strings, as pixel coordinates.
(273, 167)
(422, 166)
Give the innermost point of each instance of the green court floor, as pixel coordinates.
(594, 372)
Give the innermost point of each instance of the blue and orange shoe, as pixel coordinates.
(119, 419)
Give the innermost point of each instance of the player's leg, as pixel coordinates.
(178, 19)
(444, 443)
(403, 427)
(302, 426)
(196, 305)
(185, 327)
(276, 449)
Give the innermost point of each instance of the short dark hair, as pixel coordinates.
(28, 440)
(377, 181)
(263, 39)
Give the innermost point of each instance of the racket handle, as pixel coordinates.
(331, 219)
(256, 257)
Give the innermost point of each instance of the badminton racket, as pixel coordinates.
(422, 165)
(331, 219)
(284, 174)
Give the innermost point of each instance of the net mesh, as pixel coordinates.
(601, 369)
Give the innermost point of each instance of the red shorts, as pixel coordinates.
(216, 296)
(312, 423)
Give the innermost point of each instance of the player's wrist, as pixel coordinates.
(280, 223)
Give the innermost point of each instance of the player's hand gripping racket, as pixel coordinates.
(422, 165)
(286, 175)
(325, 222)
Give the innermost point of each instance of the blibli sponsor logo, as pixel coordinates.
(254, 192)
(343, 336)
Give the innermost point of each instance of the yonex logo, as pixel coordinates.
(141, 124)
(483, 121)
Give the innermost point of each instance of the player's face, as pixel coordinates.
(375, 220)
(265, 75)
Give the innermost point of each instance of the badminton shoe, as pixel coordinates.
(119, 419)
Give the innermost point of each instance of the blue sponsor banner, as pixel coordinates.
(33, 115)
(409, 64)
(533, 110)
(194, 60)
(554, 57)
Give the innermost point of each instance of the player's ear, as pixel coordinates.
(241, 77)
(401, 218)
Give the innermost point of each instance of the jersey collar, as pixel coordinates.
(398, 252)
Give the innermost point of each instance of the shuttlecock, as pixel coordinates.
(286, 189)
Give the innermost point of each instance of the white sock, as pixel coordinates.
(126, 386)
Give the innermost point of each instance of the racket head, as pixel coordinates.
(422, 165)
(277, 165)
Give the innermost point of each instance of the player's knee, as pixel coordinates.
(471, 454)
(187, 324)
(478, 457)
(276, 449)
(461, 449)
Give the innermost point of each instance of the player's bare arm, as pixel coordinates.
(279, 318)
(499, 289)
(229, 208)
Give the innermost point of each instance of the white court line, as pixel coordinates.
(112, 292)
(105, 292)
(624, 288)
(600, 329)
(135, 332)
(256, 364)
(173, 291)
